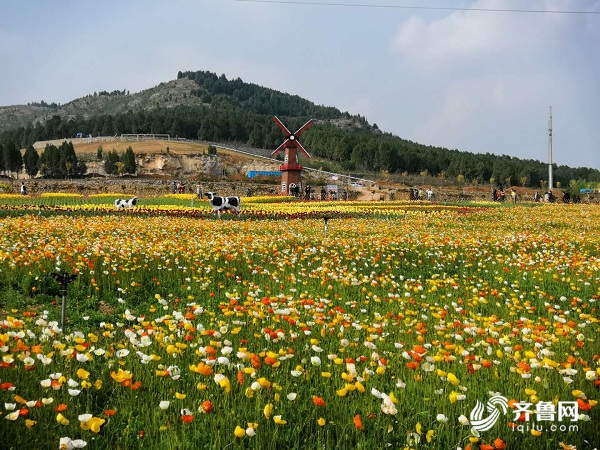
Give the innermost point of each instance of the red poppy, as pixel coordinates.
(357, 422)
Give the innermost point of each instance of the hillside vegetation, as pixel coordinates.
(201, 105)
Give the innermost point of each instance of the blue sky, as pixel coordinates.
(469, 80)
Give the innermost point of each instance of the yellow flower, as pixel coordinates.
(92, 424)
(321, 421)
(577, 393)
(239, 432)
(62, 419)
(29, 423)
(429, 435)
(418, 428)
(452, 379)
(536, 433)
(268, 410)
(225, 384)
(121, 375)
(279, 421)
(180, 396)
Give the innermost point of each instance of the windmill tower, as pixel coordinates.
(291, 170)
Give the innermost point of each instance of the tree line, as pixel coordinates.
(61, 161)
(239, 112)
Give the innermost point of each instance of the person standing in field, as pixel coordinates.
(429, 193)
(513, 195)
(23, 189)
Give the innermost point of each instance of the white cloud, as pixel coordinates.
(472, 36)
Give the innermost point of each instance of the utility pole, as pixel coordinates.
(550, 181)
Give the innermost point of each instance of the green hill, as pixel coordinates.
(203, 106)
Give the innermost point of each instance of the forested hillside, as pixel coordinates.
(216, 109)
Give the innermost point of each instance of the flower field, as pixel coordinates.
(384, 326)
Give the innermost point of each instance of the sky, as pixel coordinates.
(447, 73)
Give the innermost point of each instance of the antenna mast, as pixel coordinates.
(550, 181)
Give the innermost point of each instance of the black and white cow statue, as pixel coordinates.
(125, 204)
(223, 203)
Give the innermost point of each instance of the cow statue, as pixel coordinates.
(126, 204)
(223, 203)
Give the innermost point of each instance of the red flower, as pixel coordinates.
(583, 406)
(318, 401)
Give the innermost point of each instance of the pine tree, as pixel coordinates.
(31, 159)
(13, 160)
(128, 159)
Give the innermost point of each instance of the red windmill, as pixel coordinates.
(291, 170)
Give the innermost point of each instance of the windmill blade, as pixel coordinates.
(304, 127)
(301, 148)
(281, 147)
(282, 126)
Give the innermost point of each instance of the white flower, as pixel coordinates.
(463, 420)
(69, 444)
(74, 392)
(250, 432)
(12, 416)
(82, 357)
(292, 396)
(590, 375)
(10, 406)
(219, 377)
(442, 418)
(164, 404)
(583, 417)
(122, 353)
(428, 367)
(85, 417)
(315, 361)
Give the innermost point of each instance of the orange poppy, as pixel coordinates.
(206, 406)
(499, 444)
(357, 422)
(318, 401)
